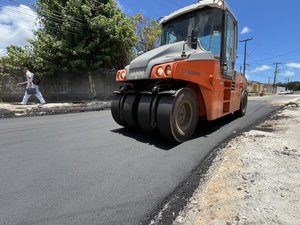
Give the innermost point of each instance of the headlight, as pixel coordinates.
(123, 75)
(163, 71)
(168, 70)
(160, 71)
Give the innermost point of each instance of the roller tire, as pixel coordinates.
(144, 113)
(177, 116)
(130, 111)
(116, 109)
(243, 105)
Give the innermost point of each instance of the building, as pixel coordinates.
(254, 87)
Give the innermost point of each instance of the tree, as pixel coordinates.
(280, 84)
(16, 58)
(295, 86)
(82, 34)
(148, 32)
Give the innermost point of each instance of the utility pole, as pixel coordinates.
(245, 53)
(287, 83)
(275, 75)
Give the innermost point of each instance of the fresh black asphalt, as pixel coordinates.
(85, 169)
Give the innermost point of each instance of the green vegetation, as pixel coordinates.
(16, 58)
(294, 86)
(82, 35)
(77, 34)
(148, 32)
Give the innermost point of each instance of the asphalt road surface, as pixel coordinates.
(84, 169)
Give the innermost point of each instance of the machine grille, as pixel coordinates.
(137, 72)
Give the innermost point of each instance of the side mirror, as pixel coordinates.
(194, 39)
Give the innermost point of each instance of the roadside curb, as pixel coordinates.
(15, 110)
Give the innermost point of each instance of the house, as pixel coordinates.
(254, 87)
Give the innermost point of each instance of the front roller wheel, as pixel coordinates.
(117, 108)
(177, 116)
(130, 111)
(145, 113)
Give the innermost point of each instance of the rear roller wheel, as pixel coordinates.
(243, 105)
(117, 109)
(130, 111)
(177, 116)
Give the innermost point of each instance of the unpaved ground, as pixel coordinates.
(255, 179)
(12, 110)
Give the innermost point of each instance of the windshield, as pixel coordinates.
(207, 21)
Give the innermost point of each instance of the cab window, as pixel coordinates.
(230, 45)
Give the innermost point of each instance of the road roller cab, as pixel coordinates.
(190, 76)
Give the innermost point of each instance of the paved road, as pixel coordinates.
(84, 169)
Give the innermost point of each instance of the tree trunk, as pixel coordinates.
(92, 85)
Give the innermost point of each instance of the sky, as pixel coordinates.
(273, 25)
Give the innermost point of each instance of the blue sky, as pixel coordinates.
(273, 25)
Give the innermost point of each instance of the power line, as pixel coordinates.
(68, 30)
(72, 31)
(46, 13)
(19, 11)
(254, 49)
(16, 3)
(56, 19)
(280, 55)
(54, 15)
(259, 66)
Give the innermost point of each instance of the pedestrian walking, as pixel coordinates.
(31, 87)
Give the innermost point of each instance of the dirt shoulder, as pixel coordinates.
(14, 110)
(255, 179)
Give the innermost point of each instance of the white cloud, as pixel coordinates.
(246, 30)
(261, 69)
(293, 65)
(16, 25)
(289, 73)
